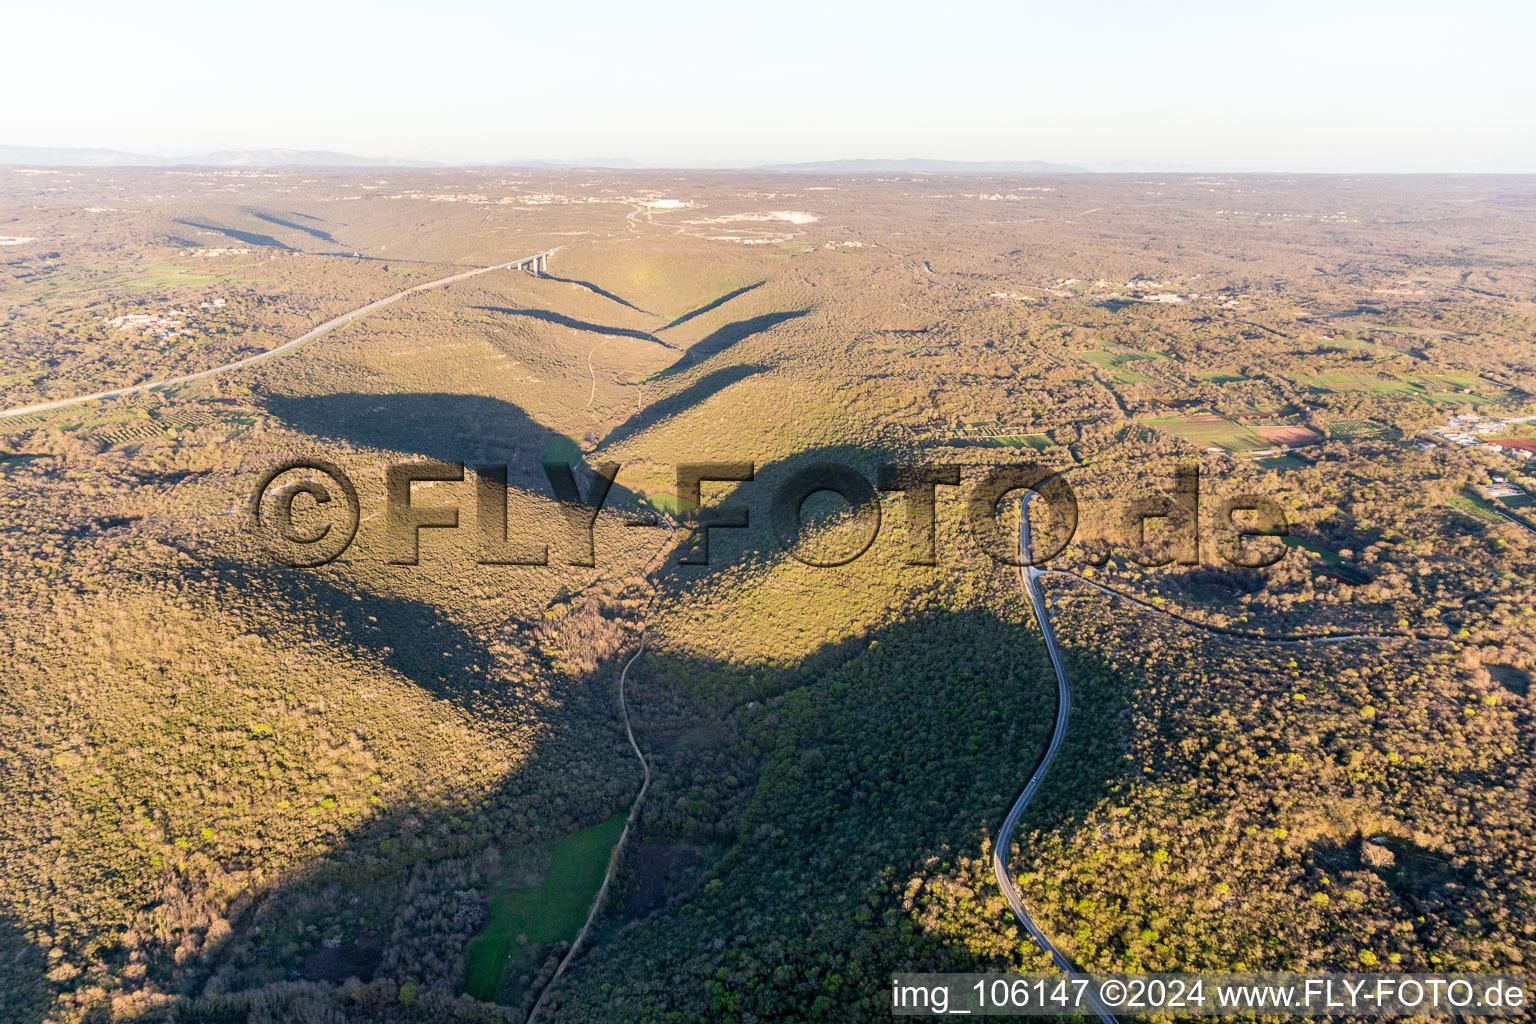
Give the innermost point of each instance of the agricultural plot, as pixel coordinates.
(1210, 431)
(1441, 388)
(1324, 383)
(1114, 359)
(126, 422)
(156, 276)
(1443, 381)
(1457, 398)
(1120, 360)
(170, 274)
(1348, 430)
(1475, 506)
(1285, 435)
(1036, 442)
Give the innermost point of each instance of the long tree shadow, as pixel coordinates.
(824, 785)
(679, 402)
(595, 290)
(438, 425)
(714, 304)
(248, 237)
(758, 545)
(412, 637)
(731, 334)
(324, 236)
(560, 320)
(468, 429)
(719, 340)
(355, 885)
(842, 775)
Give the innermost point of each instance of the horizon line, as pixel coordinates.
(107, 158)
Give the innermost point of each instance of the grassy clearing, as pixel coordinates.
(523, 920)
(1456, 398)
(1113, 359)
(1475, 506)
(1221, 377)
(1336, 565)
(1282, 463)
(1443, 381)
(667, 504)
(1208, 431)
(1331, 382)
(1038, 442)
(1119, 359)
(1362, 345)
(1439, 388)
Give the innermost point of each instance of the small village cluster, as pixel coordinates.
(1470, 428)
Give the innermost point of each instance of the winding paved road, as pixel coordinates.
(329, 325)
(1029, 577)
(1232, 634)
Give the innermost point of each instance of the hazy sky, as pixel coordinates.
(1282, 85)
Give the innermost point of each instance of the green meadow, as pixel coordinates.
(523, 920)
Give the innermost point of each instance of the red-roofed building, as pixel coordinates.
(1519, 447)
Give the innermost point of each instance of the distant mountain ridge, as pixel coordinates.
(296, 158)
(64, 156)
(58, 156)
(587, 163)
(914, 165)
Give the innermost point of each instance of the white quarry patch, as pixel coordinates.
(752, 240)
(788, 216)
